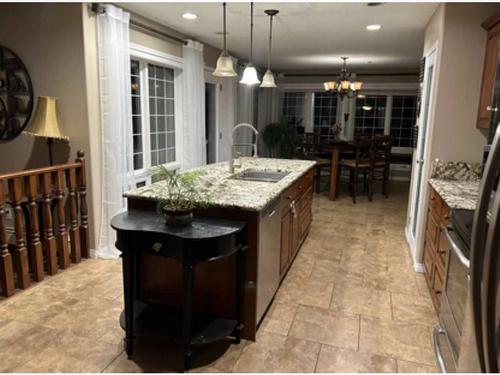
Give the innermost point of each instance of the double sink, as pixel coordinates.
(260, 175)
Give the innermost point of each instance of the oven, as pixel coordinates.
(448, 335)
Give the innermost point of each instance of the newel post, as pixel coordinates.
(84, 216)
(6, 267)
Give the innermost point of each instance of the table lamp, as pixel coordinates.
(45, 123)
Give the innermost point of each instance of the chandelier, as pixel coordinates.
(344, 86)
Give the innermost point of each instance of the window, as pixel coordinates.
(293, 107)
(370, 115)
(404, 112)
(325, 112)
(153, 117)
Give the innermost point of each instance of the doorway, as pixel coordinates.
(420, 163)
(211, 128)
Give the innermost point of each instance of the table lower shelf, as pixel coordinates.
(162, 319)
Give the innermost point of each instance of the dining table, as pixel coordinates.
(335, 149)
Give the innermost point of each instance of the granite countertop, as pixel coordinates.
(457, 194)
(230, 193)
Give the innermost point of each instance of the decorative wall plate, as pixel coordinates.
(16, 95)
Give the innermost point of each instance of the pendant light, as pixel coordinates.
(268, 79)
(250, 73)
(224, 66)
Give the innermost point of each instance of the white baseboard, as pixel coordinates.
(418, 267)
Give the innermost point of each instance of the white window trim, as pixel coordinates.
(147, 55)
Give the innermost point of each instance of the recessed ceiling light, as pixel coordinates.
(189, 16)
(373, 27)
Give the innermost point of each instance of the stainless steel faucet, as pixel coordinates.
(233, 145)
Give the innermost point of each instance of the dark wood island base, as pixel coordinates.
(160, 279)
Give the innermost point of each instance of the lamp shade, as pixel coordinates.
(268, 80)
(357, 85)
(224, 66)
(330, 85)
(250, 75)
(45, 122)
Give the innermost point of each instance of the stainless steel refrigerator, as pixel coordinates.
(480, 339)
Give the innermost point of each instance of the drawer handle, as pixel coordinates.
(157, 246)
(456, 250)
(436, 332)
(491, 108)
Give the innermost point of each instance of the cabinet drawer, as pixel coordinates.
(305, 222)
(438, 280)
(305, 200)
(428, 262)
(432, 229)
(435, 203)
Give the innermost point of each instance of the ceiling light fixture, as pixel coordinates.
(224, 66)
(366, 108)
(189, 16)
(250, 73)
(344, 86)
(374, 27)
(268, 79)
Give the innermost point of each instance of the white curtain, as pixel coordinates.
(116, 120)
(228, 117)
(269, 112)
(193, 130)
(245, 113)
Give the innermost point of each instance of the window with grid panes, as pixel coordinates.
(325, 112)
(403, 117)
(370, 115)
(153, 114)
(293, 107)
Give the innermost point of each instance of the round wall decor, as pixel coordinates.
(16, 95)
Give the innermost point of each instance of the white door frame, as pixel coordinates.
(416, 242)
(209, 78)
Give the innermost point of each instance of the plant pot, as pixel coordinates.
(178, 217)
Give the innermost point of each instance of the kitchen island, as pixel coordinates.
(278, 217)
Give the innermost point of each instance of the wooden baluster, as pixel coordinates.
(62, 237)
(6, 268)
(82, 192)
(49, 241)
(35, 246)
(21, 255)
(74, 232)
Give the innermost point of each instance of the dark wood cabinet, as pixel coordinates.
(435, 245)
(296, 217)
(489, 101)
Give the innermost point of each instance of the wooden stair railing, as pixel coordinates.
(43, 242)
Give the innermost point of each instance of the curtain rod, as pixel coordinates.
(99, 9)
(357, 75)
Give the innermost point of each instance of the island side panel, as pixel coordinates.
(160, 279)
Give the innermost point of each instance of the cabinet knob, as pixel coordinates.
(491, 108)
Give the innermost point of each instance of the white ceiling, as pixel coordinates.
(307, 36)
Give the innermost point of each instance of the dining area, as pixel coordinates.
(363, 161)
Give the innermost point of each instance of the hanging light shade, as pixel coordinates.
(250, 76)
(344, 86)
(268, 79)
(330, 85)
(224, 66)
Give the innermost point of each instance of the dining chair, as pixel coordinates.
(311, 153)
(361, 163)
(381, 163)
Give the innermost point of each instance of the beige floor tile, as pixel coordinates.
(306, 292)
(362, 301)
(334, 359)
(21, 341)
(69, 353)
(279, 318)
(401, 340)
(325, 327)
(277, 353)
(412, 367)
(392, 280)
(334, 272)
(413, 308)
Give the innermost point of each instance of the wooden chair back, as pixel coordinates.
(363, 150)
(381, 150)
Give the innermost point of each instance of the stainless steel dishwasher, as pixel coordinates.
(268, 271)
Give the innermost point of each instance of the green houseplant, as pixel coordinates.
(280, 137)
(181, 195)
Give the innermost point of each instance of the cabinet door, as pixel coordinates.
(489, 102)
(286, 243)
(295, 230)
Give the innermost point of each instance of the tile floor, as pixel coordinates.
(350, 303)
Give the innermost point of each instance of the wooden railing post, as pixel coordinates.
(35, 246)
(62, 237)
(49, 241)
(84, 216)
(21, 255)
(6, 269)
(74, 232)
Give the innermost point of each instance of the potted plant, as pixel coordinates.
(280, 137)
(182, 195)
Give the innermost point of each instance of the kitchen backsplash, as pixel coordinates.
(453, 170)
